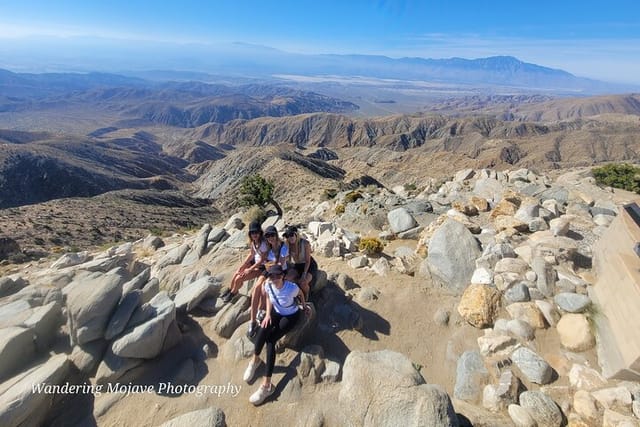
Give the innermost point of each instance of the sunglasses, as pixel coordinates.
(254, 232)
(269, 235)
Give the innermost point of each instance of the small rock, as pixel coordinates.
(572, 302)
(517, 293)
(520, 416)
(615, 419)
(613, 396)
(479, 305)
(575, 332)
(559, 226)
(585, 405)
(441, 317)
(584, 378)
(534, 367)
(542, 408)
(359, 262)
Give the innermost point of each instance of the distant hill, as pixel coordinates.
(138, 102)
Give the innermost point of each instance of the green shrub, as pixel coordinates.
(352, 196)
(339, 209)
(409, 187)
(619, 175)
(256, 190)
(371, 245)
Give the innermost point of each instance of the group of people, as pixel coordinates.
(284, 271)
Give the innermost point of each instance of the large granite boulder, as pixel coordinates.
(21, 406)
(452, 254)
(370, 384)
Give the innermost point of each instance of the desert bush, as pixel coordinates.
(329, 193)
(256, 190)
(255, 213)
(340, 209)
(371, 245)
(409, 187)
(618, 175)
(352, 196)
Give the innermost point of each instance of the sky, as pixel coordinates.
(596, 39)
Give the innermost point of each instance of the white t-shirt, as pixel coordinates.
(284, 252)
(257, 258)
(283, 299)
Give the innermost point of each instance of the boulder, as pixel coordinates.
(532, 366)
(575, 332)
(114, 367)
(209, 417)
(146, 340)
(369, 388)
(91, 302)
(21, 406)
(17, 349)
(231, 316)
(452, 254)
(401, 220)
(528, 312)
(199, 246)
(128, 304)
(572, 302)
(542, 408)
(190, 296)
(174, 256)
(520, 416)
(71, 259)
(471, 377)
(616, 419)
(137, 282)
(584, 378)
(152, 242)
(44, 322)
(479, 305)
(302, 328)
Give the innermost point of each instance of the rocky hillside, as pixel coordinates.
(477, 312)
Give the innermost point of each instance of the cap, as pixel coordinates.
(271, 230)
(254, 226)
(275, 269)
(290, 231)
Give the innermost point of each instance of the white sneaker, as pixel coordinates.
(261, 394)
(251, 370)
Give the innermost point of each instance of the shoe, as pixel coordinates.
(227, 297)
(261, 394)
(251, 370)
(253, 329)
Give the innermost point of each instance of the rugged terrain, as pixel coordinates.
(473, 314)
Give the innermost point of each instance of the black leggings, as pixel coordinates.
(278, 328)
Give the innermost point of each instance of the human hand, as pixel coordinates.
(266, 321)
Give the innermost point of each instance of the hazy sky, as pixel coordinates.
(597, 39)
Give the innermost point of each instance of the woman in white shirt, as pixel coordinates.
(253, 265)
(281, 316)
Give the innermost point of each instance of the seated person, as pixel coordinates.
(253, 265)
(300, 256)
(276, 255)
(282, 313)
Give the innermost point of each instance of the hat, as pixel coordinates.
(255, 226)
(290, 231)
(275, 269)
(271, 230)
